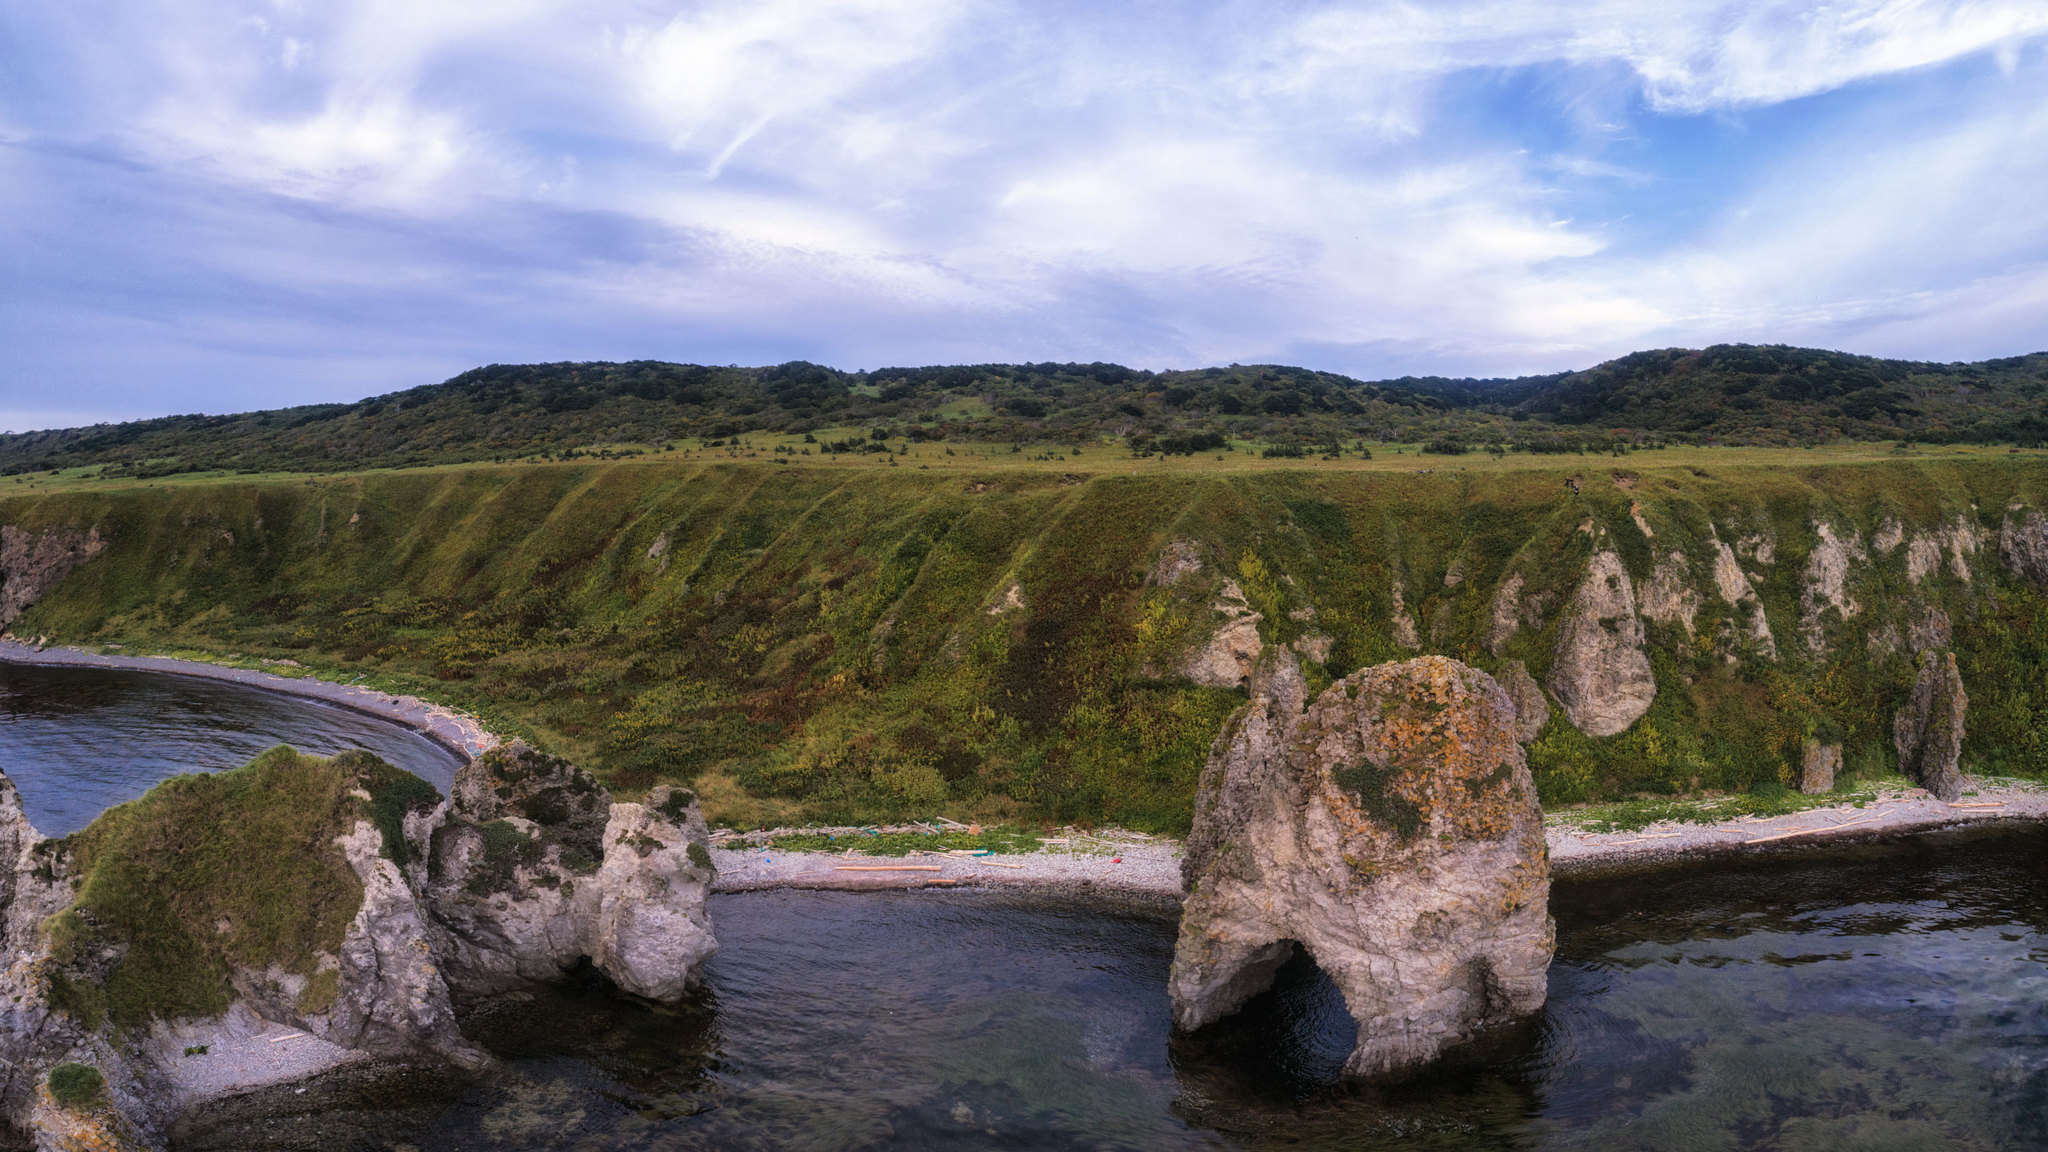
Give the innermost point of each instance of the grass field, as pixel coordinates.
(1110, 459)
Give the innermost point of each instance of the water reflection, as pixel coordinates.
(76, 741)
(1892, 997)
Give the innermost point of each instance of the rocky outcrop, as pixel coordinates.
(650, 932)
(1391, 829)
(1819, 763)
(1923, 558)
(1736, 591)
(1928, 732)
(1668, 597)
(390, 997)
(1506, 614)
(34, 1037)
(1600, 672)
(1532, 707)
(1177, 561)
(31, 563)
(1959, 539)
(1227, 658)
(1825, 584)
(2023, 545)
(1402, 622)
(535, 870)
(1889, 535)
(1929, 629)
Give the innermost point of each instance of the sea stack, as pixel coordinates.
(1928, 731)
(1392, 829)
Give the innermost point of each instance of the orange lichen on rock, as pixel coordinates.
(1392, 829)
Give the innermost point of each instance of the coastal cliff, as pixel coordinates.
(796, 642)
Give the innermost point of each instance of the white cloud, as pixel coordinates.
(883, 177)
(1691, 55)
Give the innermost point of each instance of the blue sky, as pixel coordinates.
(213, 206)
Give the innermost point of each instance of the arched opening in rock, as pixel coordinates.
(1294, 1037)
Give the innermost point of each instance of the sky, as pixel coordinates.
(218, 205)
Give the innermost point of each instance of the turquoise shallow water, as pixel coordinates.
(1880, 997)
(76, 741)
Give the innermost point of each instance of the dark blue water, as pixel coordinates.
(1878, 997)
(76, 741)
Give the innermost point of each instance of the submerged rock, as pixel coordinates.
(1600, 672)
(535, 870)
(1392, 830)
(1928, 731)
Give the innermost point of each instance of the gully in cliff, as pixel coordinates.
(1391, 828)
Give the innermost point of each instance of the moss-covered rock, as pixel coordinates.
(203, 877)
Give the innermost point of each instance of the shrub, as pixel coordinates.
(77, 1086)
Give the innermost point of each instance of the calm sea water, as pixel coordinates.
(78, 740)
(1880, 997)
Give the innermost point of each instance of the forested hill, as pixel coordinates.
(1733, 394)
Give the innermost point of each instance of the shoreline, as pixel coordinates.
(1122, 862)
(1128, 865)
(1578, 854)
(454, 731)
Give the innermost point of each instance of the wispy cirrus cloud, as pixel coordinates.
(281, 201)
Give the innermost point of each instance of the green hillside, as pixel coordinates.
(838, 641)
(1729, 394)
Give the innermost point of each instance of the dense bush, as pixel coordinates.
(77, 1086)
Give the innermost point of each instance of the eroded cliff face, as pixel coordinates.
(31, 563)
(1390, 828)
(1599, 671)
(1692, 615)
(34, 1037)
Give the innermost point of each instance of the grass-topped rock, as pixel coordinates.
(207, 876)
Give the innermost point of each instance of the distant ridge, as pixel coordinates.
(1726, 394)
